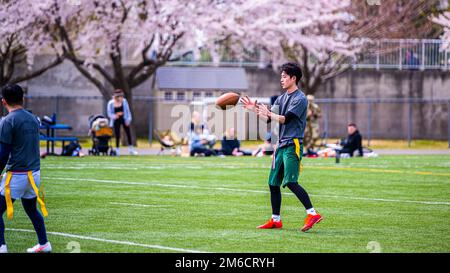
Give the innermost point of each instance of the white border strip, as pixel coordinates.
(111, 241)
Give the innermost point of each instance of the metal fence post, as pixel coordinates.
(378, 55)
(105, 106)
(369, 127)
(409, 123)
(446, 60)
(422, 67)
(57, 107)
(448, 125)
(327, 109)
(150, 123)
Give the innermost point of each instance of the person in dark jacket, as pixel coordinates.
(231, 145)
(353, 141)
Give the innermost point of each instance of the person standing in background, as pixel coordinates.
(313, 115)
(119, 115)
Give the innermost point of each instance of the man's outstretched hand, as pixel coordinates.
(263, 111)
(249, 104)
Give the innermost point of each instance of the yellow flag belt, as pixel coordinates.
(9, 204)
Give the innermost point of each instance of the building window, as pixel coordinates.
(196, 96)
(180, 96)
(168, 95)
(209, 94)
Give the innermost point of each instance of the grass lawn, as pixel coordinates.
(172, 204)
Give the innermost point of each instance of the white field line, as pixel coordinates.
(137, 205)
(163, 166)
(111, 241)
(250, 191)
(92, 167)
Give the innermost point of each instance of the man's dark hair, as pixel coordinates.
(292, 69)
(13, 94)
(352, 124)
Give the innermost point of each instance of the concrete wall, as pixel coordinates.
(79, 99)
(390, 120)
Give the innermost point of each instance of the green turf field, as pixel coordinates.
(168, 204)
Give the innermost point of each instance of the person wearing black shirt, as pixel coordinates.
(353, 141)
(231, 145)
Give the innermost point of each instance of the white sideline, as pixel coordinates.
(110, 241)
(252, 191)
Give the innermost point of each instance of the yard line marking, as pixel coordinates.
(93, 167)
(153, 184)
(385, 200)
(236, 165)
(137, 205)
(352, 169)
(251, 191)
(111, 241)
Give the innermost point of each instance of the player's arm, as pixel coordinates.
(265, 112)
(5, 143)
(258, 108)
(5, 150)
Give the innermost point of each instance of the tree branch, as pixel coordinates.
(142, 77)
(145, 62)
(136, 76)
(70, 54)
(101, 87)
(38, 72)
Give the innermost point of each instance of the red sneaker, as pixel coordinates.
(310, 221)
(271, 224)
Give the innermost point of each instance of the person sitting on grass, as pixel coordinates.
(353, 141)
(231, 145)
(199, 144)
(348, 145)
(266, 148)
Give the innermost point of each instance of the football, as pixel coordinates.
(227, 99)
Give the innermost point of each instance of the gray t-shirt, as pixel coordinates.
(20, 129)
(297, 104)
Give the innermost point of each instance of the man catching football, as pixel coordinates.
(289, 110)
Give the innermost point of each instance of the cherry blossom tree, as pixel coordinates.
(324, 37)
(96, 35)
(390, 19)
(312, 33)
(20, 40)
(444, 20)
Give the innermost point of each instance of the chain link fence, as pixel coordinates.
(403, 119)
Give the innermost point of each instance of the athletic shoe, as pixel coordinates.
(271, 224)
(47, 248)
(132, 151)
(3, 249)
(310, 221)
